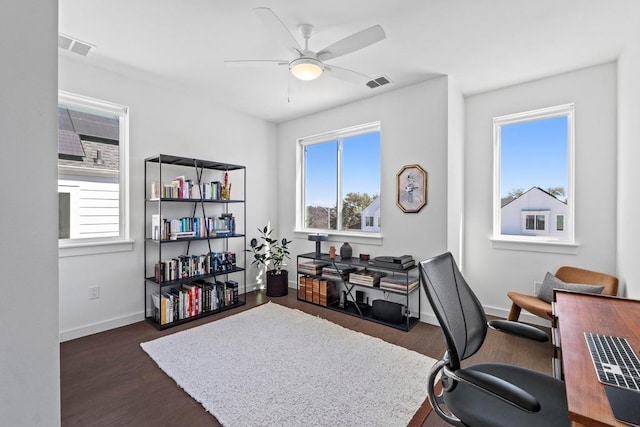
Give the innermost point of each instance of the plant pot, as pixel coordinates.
(277, 284)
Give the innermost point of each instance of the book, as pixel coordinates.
(155, 190)
(302, 288)
(328, 293)
(366, 277)
(399, 284)
(340, 273)
(315, 293)
(312, 267)
(396, 263)
(309, 290)
(155, 301)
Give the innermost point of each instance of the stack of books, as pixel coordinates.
(366, 278)
(396, 263)
(339, 273)
(399, 284)
(311, 267)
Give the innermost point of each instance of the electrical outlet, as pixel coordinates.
(94, 292)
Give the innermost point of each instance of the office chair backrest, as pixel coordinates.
(458, 310)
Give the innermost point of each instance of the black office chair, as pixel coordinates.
(487, 394)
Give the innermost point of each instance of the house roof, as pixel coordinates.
(92, 126)
(69, 144)
(511, 199)
(83, 137)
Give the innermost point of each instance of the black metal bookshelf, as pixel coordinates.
(156, 169)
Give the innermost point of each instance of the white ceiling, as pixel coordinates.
(483, 44)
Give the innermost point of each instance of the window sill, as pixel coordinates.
(531, 245)
(93, 248)
(342, 236)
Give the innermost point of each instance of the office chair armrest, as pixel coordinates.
(499, 388)
(520, 329)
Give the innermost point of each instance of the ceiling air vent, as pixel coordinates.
(380, 81)
(74, 45)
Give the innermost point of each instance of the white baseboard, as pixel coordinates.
(94, 328)
(525, 317)
(426, 317)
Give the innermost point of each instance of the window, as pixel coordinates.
(533, 176)
(535, 222)
(92, 159)
(369, 221)
(340, 181)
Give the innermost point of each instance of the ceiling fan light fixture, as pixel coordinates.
(306, 68)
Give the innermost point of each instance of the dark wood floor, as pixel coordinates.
(107, 380)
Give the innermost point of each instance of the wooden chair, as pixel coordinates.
(541, 308)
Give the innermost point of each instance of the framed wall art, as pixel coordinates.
(411, 188)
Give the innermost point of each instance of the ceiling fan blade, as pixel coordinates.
(353, 42)
(256, 62)
(346, 74)
(277, 29)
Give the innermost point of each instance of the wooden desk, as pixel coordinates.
(575, 314)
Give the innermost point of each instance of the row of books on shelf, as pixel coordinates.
(192, 227)
(183, 188)
(185, 266)
(318, 291)
(326, 269)
(399, 283)
(312, 267)
(366, 277)
(192, 299)
(363, 277)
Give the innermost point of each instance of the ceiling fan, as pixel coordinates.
(308, 64)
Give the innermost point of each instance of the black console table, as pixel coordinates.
(328, 282)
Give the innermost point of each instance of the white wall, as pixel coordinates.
(413, 130)
(492, 272)
(628, 171)
(163, 120)
(29, 350)
(455, 177)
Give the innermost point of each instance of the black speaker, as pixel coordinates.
(387, 311)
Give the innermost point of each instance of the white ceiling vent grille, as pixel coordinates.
(377, 82)
(74, 45)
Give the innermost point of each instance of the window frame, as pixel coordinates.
(535, 215)
(122, 242)
(547, 242)
(336, 135)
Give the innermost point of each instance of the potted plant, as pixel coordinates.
(271, 253)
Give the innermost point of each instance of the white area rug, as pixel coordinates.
(275, 366)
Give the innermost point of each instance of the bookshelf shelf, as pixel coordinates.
(337, 292)
(200, 273)
(192, 239)
(191, 200)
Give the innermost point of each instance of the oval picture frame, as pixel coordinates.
(411, 188)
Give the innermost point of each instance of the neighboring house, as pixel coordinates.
(88, 164)
(370, 217)
(534, 213)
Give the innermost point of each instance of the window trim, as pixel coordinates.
(543, 243)
(356, 236)
(123, 242)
